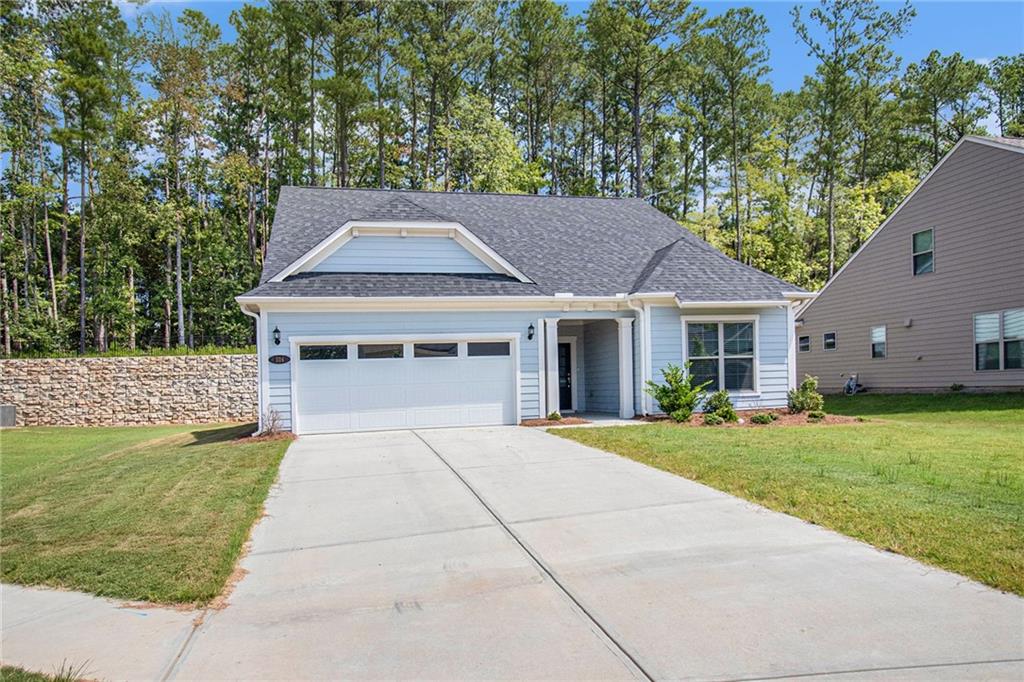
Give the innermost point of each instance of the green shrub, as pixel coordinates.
(956, 388)
(763, 418)
(815, 415)
(555, 416)
(718, 403)
(712, 419)
(805, 398)
(677, 396)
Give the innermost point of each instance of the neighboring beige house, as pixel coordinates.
(936, 296)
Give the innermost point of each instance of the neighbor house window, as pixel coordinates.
(721, 353)
(379, 351)
(999, 340)
(338, 352)
(435, 350)
(828, 341)
(924, 252)
(878, 342)
(805, 344)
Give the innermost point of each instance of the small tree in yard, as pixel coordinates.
(806, 398)
(677, 396)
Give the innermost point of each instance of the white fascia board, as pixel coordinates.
(733, 304)
(906, 200)
(418, 303)
(353, 228)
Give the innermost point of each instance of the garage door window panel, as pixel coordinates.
(381, 351)
(435, 350)
(477, 349)
(323, 352)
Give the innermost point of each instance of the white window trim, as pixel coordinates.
(1001, 342)
(915, 254)
(407, 340)
(871, 343)
(801, 350)
(829, 350)
(720, 319)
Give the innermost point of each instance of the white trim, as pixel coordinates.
(573, 360)
(260, 370)
(915, 254)
(420, 303)
(836, 340)
(538, 334)
(791, 346)
(871, 341)
(648, 359)
(354, 229)
(970, 138)
(719, 319)
(733, 304)
(551, 363)
(626, 368)
(407, 340)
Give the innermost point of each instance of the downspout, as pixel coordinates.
(641, 316)
(259, 367)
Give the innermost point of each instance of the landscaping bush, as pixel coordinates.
(677, 397)
(805, 398)
(956, 388)
(555, 416)
(718, 403)
(815, 415)
(763, 418)
(712, 419)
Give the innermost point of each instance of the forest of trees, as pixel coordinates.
(142, 160)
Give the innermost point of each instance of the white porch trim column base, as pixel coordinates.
(625, 367)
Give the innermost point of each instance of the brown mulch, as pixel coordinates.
(785, 419)
(564, 421)
(266, 437)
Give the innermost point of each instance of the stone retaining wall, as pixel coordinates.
(115, 391)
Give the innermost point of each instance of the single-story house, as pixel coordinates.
(935, 297)
(383, 309)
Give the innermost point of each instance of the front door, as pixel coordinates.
(564, 377)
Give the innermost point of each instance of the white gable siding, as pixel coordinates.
(773, 377)
(374, 253)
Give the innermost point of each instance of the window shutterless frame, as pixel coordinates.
(1005, 331)
(804, 344)
(721, 321)
(915, 252)
(835, 341)
(878, 338)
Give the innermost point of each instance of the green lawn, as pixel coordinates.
(938, 478)
(157, 513)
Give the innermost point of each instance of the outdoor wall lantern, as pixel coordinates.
(529, 332)
(277, 336)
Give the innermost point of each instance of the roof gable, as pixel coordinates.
(409, 254)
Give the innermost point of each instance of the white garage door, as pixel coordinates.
(402, 385)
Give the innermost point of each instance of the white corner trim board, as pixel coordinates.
(355, 228)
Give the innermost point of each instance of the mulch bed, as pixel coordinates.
(564, 421)
(785, 419)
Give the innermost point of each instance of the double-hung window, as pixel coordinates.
(999, 340)
(723, 353)
(878, 342)
(923, 247)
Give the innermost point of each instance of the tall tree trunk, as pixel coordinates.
(81, 246)
(736, 175)
(131, 307)
(44, 183)
(312, 109)
(414, 123)
(638, 167)
(428, 161)
(831, 226)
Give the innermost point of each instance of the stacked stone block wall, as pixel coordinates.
(117, 391)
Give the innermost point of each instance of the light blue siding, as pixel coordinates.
(602, 366)
(773, 379)
(411, 323)
(402, 254)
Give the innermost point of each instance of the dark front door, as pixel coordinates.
(564, 377)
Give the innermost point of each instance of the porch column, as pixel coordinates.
(551, 363)
(625, 367)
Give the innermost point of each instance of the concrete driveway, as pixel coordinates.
(511, 553)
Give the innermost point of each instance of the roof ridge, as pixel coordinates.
(396, 190)
(398, 203)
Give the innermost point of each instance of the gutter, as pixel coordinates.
(259, 365)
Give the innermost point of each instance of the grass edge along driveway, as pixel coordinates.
(150, 513)
(938, 478)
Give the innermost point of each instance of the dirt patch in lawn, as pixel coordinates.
(783, 418)
(564, 421)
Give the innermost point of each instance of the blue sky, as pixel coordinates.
(978, 30)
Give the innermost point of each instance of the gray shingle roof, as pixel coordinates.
(585, 246)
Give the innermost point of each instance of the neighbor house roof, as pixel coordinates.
(583, 246)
